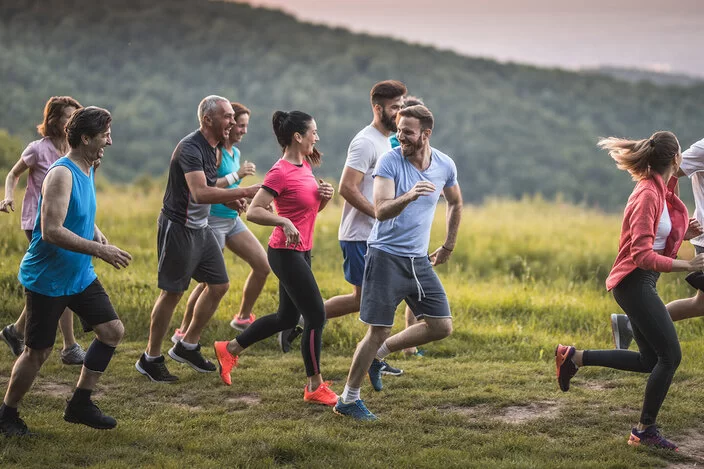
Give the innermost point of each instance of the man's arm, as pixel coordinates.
(386, 206)
(350, 181)
(453, 196)
(204, 194)
(56, 194)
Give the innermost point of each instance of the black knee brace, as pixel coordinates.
(98, 356)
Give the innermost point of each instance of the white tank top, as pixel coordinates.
(663, 231)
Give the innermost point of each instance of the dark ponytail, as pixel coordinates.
(286, 124)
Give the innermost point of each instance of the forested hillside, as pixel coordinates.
(512, 129)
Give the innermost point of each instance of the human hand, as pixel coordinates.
(420, 189)
(251, 191)
(325, 190)
(114, 256)
(293, 237)
(440, 256)
(6, 205)
(247, 169)
(239, 205)
(694, 229)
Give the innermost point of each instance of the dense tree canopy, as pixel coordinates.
(512, 129)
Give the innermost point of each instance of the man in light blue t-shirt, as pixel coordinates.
(407, 186)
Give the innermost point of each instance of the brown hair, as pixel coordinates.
(88, 121)
(640, 157)
(53, 111)
(421, 113)
(409, 101)
(387, 89)
(288, 123)
(240, 109)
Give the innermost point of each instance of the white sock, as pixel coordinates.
(188, 346)
(149, 358)
(349, 395)
(383, 351)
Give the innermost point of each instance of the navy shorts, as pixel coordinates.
(390, 279)
(353, 253)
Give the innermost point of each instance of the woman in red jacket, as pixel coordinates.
(654, 225)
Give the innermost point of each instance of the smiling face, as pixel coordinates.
(239, 130)
(221, 120)
(95, 146)
(411, 136)
(308, 139)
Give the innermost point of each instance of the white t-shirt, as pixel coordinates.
(693, 167)
(365, 149)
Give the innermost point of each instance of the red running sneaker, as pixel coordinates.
(323, 395)
(564, 366)
(226, 361)
(240, 324)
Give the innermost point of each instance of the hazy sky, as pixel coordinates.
(653, 34)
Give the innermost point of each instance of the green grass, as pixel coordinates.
(524, 276)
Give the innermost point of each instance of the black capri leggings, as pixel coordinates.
(658, 346)
(298, 295)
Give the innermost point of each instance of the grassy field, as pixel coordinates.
(525, 276)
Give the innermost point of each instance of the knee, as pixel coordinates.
(112, 334)
(219, 290)
(377, 335)
(261, 270)
(673, 358)
(441, 329)
(37, 357)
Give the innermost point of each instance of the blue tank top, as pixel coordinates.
(229, 163)
(53, 271)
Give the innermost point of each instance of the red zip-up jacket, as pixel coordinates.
(640, 223)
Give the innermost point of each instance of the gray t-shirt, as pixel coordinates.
(408, 234)
(693, 166)
(364, 150)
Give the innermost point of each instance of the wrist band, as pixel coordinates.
(232, 178)
(446, 249)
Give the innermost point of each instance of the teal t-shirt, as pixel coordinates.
(394, 141)
(229, 163)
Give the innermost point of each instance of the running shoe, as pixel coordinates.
(622, 331)
(375, 374)
(155, 370)
(287, 336)
(357, 410)
(74, 355)
(418, 353)
(178, 336)
(696, 279)
(323, 395)
(241, 324)
(12, 338)
(226, 361)
(192, 358)
(564, 365)
(87, 413)
(387, 369)
(13, 426)
(650, 437)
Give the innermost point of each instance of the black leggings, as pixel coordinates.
(658, 347)
(298, 295)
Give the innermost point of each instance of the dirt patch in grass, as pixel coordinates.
(516, 414)
(50, 388)
(691, 446)
(247, 399)
(598, 385)
(188, 407)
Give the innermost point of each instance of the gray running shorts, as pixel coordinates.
(224, 228)
(390, 279)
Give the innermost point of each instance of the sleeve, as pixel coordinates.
(275, 181)
(452, 173)
(386, 166)
(642, 222)
(190, 158)
(360, 154)
(30, 155)
(693, 159)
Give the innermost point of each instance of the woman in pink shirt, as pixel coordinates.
(37, 158)
(297, 197)
(654, 225)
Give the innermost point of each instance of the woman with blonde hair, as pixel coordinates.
(37, 157)
(654, 225)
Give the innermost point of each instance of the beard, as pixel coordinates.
(412, 147)
(388, 122)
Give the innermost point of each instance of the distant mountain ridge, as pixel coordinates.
(512, 129)
(636, 75)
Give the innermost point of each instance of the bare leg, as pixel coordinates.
(365, 354)
(161, 316)
(204, 309)
(246, 246)
(430, 330)
(21, 322)
(66, 327)
(687, 308)
(342, 305)
(23, 374)
(410, 320)
(190, 305)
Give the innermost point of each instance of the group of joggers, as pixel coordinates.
(391, 184)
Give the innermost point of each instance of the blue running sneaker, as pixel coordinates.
(375, 374)
(357, 410)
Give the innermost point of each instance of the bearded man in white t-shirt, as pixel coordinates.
(692, 166)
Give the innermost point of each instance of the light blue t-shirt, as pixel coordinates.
(408, 234)
(229, 163)
(53, 271)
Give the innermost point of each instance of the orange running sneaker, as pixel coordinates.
(226, 361)
(323, 395)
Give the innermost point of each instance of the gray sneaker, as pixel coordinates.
(74, 355)
(12, 338)
(622, 331)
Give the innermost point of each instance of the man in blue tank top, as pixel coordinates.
(57, 272)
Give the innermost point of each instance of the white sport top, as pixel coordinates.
(663, 231)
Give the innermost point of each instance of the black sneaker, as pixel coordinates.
(193, 358)
(87, 413)
(12, 338)
(156, 370)
(287, 336)
(13, 426)
(387, 369)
